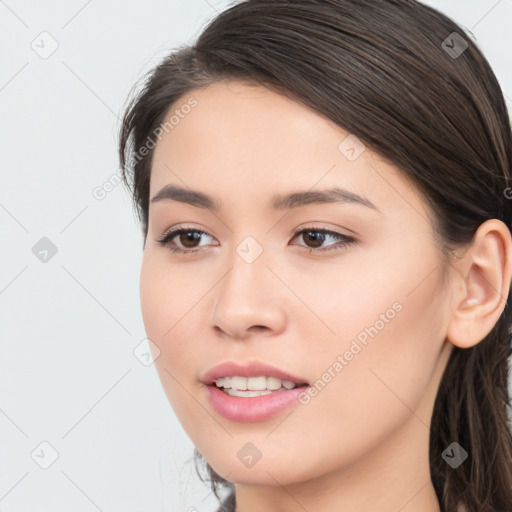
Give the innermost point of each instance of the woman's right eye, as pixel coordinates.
(185, 237)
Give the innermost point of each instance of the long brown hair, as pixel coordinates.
(393, 73)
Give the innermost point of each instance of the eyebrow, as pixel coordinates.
(279, 202)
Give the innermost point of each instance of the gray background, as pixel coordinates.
(69, 376)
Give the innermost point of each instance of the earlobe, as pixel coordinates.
(484, 278)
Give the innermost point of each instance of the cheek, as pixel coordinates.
(170, 309)
(167, 294)
(390, 324)
(152, 298)
(160, 309)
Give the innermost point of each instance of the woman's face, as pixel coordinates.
(360, 316)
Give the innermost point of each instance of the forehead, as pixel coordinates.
(248, 141)
(242, 121)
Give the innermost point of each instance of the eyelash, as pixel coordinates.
(345, 240)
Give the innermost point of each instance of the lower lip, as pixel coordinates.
(257, 408)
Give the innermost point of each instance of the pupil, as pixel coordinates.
(189, 236)
(318, 238)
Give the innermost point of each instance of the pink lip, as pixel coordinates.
(254, 369)
(251, 409)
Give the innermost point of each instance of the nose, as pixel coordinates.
(249, 299)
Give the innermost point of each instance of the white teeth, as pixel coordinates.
(273, 383)
(237, 383)
(254, 383)
(236, 392)
(261, 383)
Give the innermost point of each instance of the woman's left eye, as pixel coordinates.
(318, 236)
(314, 236)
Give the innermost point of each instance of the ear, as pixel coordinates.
(480, 284)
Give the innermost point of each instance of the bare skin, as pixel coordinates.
(361, 443)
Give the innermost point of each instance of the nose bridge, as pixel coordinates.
(248, 263)
(246, 296)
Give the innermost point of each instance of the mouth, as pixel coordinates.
(254, 386)
(251, 379)
(254, 398)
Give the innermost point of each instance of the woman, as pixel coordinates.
(325, 194)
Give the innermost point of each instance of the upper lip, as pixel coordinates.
(252, 369)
